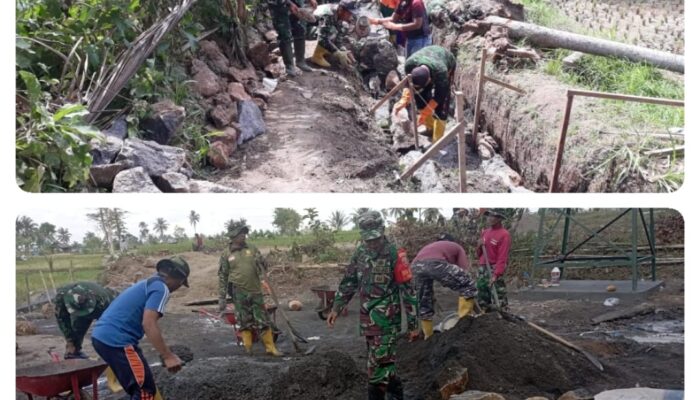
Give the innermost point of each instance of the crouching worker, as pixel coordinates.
(432, 70)
(376, 272)
(77, 305)
(136, 311)
(444, 261)
(331, 35)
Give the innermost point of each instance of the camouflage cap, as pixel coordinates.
(495, 212)
(348, 5)
(79, 301)
(371, 225)
(175, 266)
(236, 229)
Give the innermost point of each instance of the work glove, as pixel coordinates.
(222, 305)
(403, 102)
(427, 111)
(345, 58)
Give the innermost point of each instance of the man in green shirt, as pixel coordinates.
(241, 269)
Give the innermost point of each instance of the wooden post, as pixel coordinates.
(46, 288)
(414, 111)
(432, 150)
(461, 142)
(29, 296)
(479, 94)
(554, 184)
(392, 92)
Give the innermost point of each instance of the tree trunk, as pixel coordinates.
(547, 37)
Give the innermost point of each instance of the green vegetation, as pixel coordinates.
(60, 278)
(62, 261)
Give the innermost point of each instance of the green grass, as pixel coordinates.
(541, 12)
(287, 241)
(60, 278)
(61, 261)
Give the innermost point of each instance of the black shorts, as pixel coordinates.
(131, 369)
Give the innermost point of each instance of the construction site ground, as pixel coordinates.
(500, 355)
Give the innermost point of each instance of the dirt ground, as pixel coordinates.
(497, 353)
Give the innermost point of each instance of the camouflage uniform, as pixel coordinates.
(240, 272)
(484, 291)
(331, 33)
(442, 66)
(77, 305)
(289, 29)
(449, 275)
(372, 274)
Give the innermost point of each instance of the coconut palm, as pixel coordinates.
(63, 236)
(160, 226)
(194, 220)
(337, 220)
(143, 231)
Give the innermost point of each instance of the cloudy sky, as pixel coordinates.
(211, 220)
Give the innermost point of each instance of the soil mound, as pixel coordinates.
(327, 376)
(500, 356)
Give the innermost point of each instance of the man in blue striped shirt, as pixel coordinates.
(134, 312)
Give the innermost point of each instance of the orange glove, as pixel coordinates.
(427, 111)
(405, 99)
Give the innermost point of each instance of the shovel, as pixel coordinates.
(293, 333)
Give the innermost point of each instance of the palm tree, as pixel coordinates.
(431, 215)
(64, 236)
(143, 231)
(194, 220)
(338, 220)
(160, 226)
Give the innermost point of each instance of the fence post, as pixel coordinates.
(29, 296)
(479, 93)
(461, 142)
(46, 288)
(554, 184)
(70, 271)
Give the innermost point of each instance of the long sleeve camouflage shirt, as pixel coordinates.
(243, 267)
(330, 28)
(372, 275)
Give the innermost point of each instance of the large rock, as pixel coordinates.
(155, 159)
(105, 149)
(221, 116)
(237, 92)
(206, 81)
(427, 174)
(134, 180)
(172, 182)
(196, 186)
(250, 121)
(102, 176)
(243, 75)
(218, 155)
(118, 129)
(477, 395)
(275, 70)
(163, 122)
(229, 136)
(259, 54)
(640, 394)
(212, 55)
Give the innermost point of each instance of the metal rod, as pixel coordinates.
(554, 184)
(414, 110)
(432, 150)
(633, 258)
(461, 142)
(565, 238)
(593, 233)
(479, 94)
(540, 242)
(626, 97)
(653, 244)
(505, 85)
(604, 227)
(392, 92)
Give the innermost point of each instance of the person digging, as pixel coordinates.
(290, 31)
(242, 266)
(432, 71)
(375, 272)
(492, 249)
(136, 311)
(444, 261)
(76, 306)
(330, 19)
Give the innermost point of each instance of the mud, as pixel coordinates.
(501, 356)
(318, 377)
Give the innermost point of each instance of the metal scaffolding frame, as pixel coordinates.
(626, 257)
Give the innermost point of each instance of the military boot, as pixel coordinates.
(288, 58)
(299, 54)
(375, 392)
(394, 390)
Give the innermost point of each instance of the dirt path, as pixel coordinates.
(319, 139)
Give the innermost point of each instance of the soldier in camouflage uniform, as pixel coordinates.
(371, 273)
(76, 306)
(432, 69)
(241, 269)
(331, 33)
(495, 239)
(290, 30)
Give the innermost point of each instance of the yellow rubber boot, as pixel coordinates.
(269, 343)
(466, 306)
(247, 337)
(438, 129)
(427, 326)
(319, 57)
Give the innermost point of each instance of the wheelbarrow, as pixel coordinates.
(52, 379)
(325, 305)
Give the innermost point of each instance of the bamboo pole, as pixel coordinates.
(479, 94)
(29, 297)
(414, 110)
(554, 184)
(461, 142)
(392, 92)
(432, 150)
(46, 288)
(70, 271)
